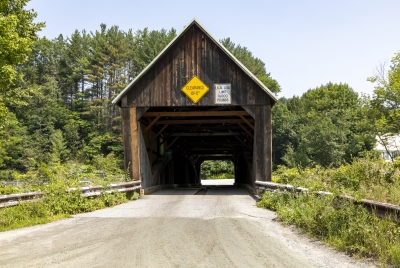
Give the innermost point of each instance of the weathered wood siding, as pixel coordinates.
(130, 139)
(193, 54)
(144, 163)
(262, 144)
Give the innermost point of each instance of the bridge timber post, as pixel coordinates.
(262, 144)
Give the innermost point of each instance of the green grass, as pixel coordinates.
(26, 214)
(57, 205)
(341, 223)
(364, 178)
(219, 176)
(338, 222)
(57, 202)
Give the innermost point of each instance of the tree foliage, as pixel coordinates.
(385, 104)
(254, 64)
(217, 169)
(326, 126)
(55, 98)
(71, 81)
(17, 36)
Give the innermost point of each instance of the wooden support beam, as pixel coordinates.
(212, 155)
(159, 132)
(202, 121)
(195, 153)
(196, 113)
(152, 123)
(134, 144)
(204, 128)
(247, 121)
(245, 129)
(268, 143)
(202, 158)
(250, 110)
(140, 111)
(242, 142)
(209, 144)
(210, 149)
(169, 145)
(262, 156)
(205, 134)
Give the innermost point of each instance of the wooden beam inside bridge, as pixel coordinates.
(201, 121)
(196, 113)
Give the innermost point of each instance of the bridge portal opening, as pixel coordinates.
(185, 144)
(217, 170)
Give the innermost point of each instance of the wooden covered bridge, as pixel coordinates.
(194, 102)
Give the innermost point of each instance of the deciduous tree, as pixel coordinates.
(17, 36)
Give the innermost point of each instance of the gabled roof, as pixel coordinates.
(194, 21)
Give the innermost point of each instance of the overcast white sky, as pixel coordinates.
(303, 43)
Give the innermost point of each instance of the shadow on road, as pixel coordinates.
(205, 190)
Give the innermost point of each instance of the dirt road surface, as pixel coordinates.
(172, 228)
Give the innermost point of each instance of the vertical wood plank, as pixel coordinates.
(250, 92)
(182, 77)
(126, 134)
(192, 52)
(162, 82)
(199, 55)
(204, 71)
(209, 63)
(241, 94)
(145, 174)
(222, 67)
(268, 142)
(150, 146)
(154, 85)
(134, 147)
(149, 92)
(258, 147)
(141, 92)
(232, 79)
(216, 76)
(175, 75)
(169, 80)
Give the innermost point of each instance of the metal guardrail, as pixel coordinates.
(87, 191)
(15, 199)
(380, 209)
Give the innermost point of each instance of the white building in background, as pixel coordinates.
(388, 145)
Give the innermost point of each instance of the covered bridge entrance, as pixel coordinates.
(195, 102)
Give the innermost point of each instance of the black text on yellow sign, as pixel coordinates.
(195, 89)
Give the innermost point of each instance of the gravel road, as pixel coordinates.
(171, 228)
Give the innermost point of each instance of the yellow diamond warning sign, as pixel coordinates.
(195, 89)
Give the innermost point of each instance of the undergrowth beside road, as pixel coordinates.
(58, 202)
(219, 177)
(340, 222)
(371, 179)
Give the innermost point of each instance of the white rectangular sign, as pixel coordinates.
(222, 93)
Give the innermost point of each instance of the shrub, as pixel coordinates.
(364, 178)
(339, 222)
(54, 181)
